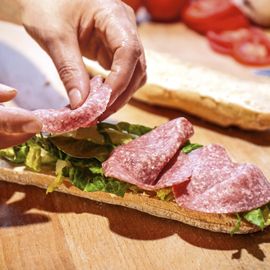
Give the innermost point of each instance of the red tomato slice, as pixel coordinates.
(214, 15)
(224, 41)
(228, 38)
(204, 10)
(254, 52)
(226, 24)
(250, 46)
(219, 48)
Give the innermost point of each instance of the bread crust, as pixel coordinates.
(219, 98)
(223, 223)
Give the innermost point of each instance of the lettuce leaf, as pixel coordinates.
(59, 167)
(81, 148)
(117, 137)
(16, 154)
(47, 158)
(121, 133)
(237, 225)
(189, 147)
(259, 217)
(91, 134)
(33, 157)
(165, 194)
(84, 179)
(109, 185)
(266, 215)
(138, 130)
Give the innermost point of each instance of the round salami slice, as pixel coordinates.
(140, 161)
(246, 189)
(177, 171)
(210, 165)
(65, 119)
(218, 185)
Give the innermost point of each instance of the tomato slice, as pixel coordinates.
(228, 38)
(230, 23)
(220, 48)
(223, 42)
(255, 51)
(204, 10)
(250, 46)
(214, 15)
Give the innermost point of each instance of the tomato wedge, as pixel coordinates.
(213, 15)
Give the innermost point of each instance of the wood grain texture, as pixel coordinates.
(59, 231)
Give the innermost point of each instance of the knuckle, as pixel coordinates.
(51, 37)
(67, 71)
(5, 126)
(135, 49)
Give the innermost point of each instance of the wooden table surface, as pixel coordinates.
(59, 231)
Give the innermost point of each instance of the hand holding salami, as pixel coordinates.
(68, 30)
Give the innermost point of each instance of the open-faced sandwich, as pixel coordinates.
(158, 171)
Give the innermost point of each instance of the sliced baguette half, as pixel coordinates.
(207, 93)
(223, 223)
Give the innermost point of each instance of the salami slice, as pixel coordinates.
(219, 185)
(140, 161)
(65, 119)
(177, 171)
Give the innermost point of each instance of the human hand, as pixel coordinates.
(102, 30)
(16, 125)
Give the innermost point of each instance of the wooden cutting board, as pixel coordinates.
(64, 232)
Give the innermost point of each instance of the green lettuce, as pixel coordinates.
(259, 217)
(81, 148)
(237, 225)
(84, 179)
(33, 157)
(16, 154)
(189, 147)
(122, 132)
(165, 194)
(91, 134)
(138, 130)
(59, 167)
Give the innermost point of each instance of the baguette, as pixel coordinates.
(210, 94)
(213, 222)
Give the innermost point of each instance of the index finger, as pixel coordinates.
(124, 62)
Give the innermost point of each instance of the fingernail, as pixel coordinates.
(75, 98)
(31, 127)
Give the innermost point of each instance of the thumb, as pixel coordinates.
(66, 55)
